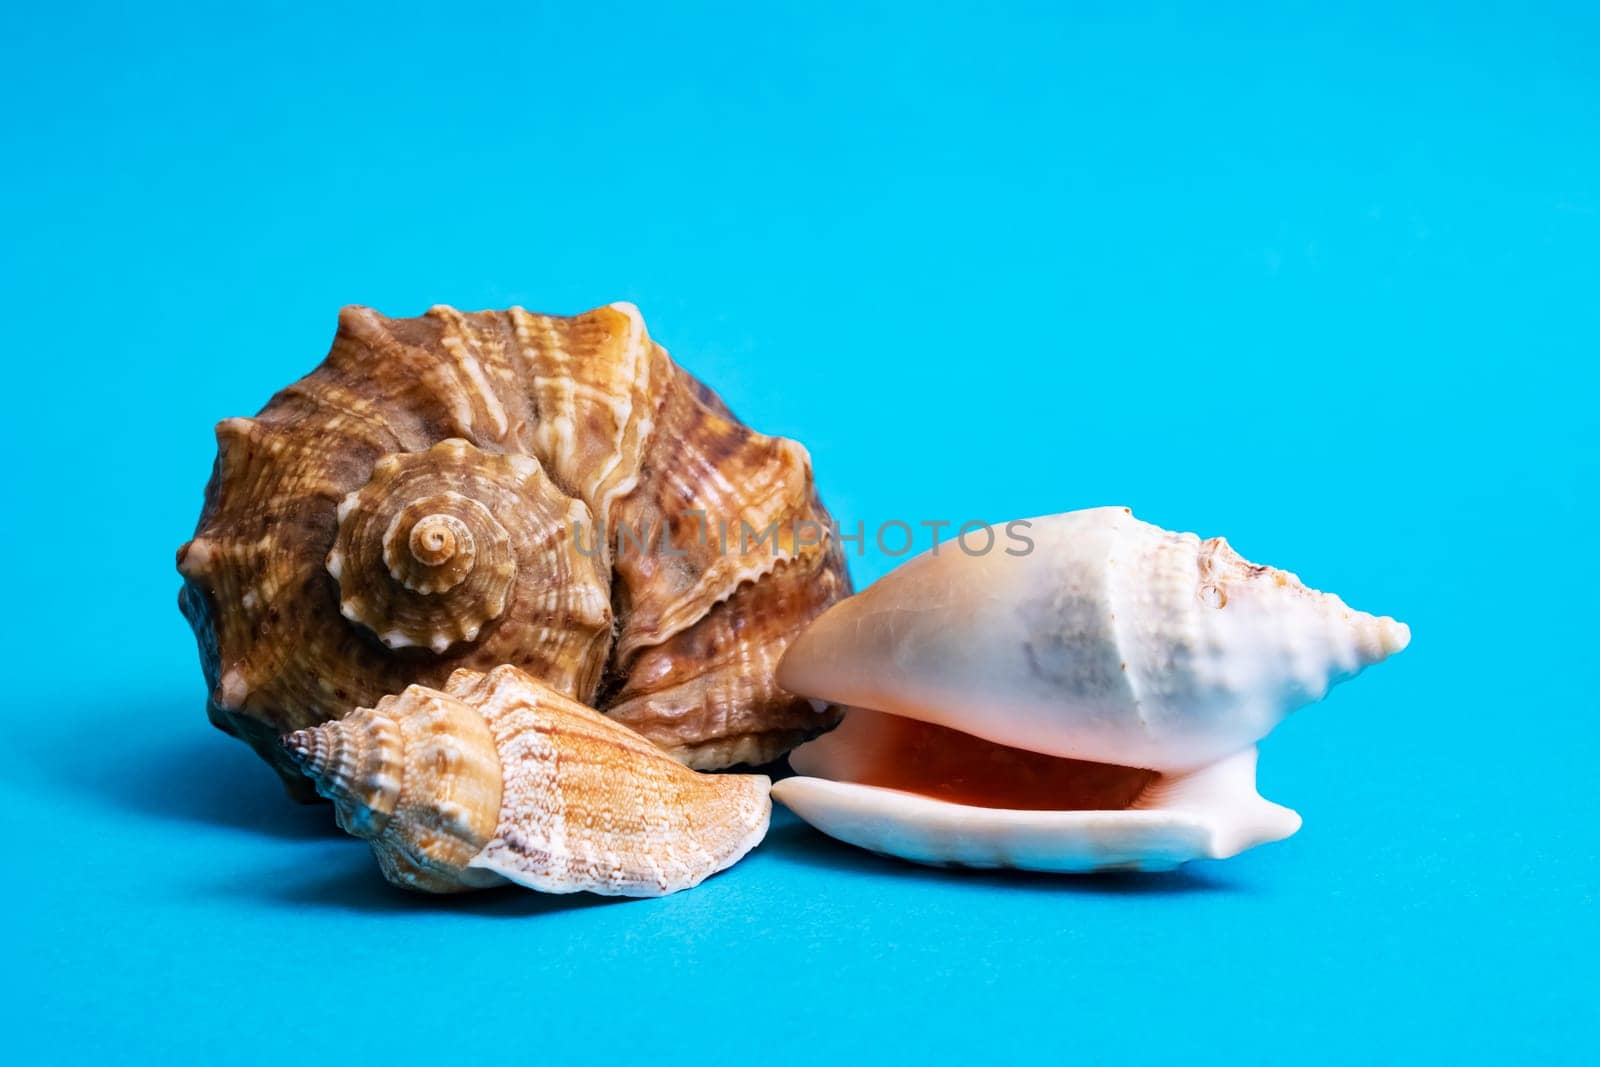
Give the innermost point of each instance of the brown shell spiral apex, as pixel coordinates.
(469, 490)
(423, 562)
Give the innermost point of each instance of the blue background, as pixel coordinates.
(1324, 283)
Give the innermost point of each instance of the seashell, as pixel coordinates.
(441, 493)
(1093, 703)
(499, 777)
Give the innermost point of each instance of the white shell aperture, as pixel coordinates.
(1212, 813)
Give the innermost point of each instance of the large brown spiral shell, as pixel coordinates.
(428, 499)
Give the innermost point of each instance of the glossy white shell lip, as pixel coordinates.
(1212, 813)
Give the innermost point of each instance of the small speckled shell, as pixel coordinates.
(429, 497)
(499, 778)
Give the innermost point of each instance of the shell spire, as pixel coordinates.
(1297, 641)
(1378, 637)
(311, 752)
(498, 777)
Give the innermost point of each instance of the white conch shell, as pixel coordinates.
(1112, 641)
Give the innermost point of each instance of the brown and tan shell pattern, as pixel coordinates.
(431, 498)
(498, 778)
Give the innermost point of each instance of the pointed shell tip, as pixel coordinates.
(299, 745)
(1396, 636)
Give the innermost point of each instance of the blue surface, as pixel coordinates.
(1324, 284)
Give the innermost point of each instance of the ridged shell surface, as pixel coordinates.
(448, 492)
(499, 777)
(1112, 640)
